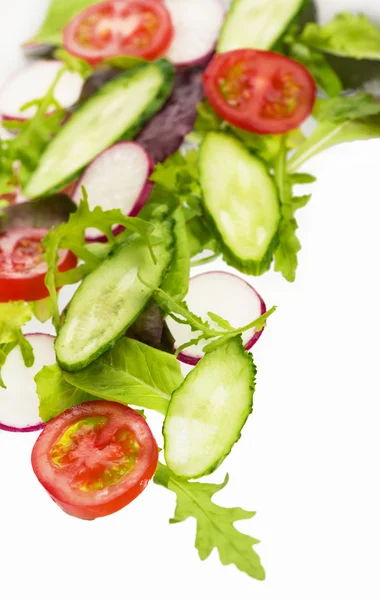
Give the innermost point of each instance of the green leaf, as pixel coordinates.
(56, 394)
(70, 235)
(60, 12)
(42, 309)
(13, 315)
(215, 524)
(328, 134)
(347, 108)
(73, 63)
(125, 63)
(131, 373)
(220, 321)
(324, 75)
(347, 34)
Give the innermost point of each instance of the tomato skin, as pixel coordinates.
(22, 271)
(92, 504)
(259, 91)
(85, 38)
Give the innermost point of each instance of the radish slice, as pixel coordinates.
(117, 178)
(19, 401)
(196, 28)
(33, 82)
(226, 295)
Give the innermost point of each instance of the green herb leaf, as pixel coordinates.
(13, 315)
(5, 349)
(346, 35)
(215, 524)
(70, 235)
(59, 14)
(131, 373)
(347, 108)
(73, 63)
(56, 394)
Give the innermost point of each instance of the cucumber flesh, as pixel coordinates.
(117, 110)
(110, 299)
(257, 23)
(207, 412)
(241, 202)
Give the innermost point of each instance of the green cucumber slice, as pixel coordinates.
(241, 202)
(207, 412)
(118, 109)
(110, 298)
(257, 23)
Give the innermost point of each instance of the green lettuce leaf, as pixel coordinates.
(346, 35)
(215, 524)
(347, 108)
(56, 394)
(60, 12)
(13, 315)
(131, 373)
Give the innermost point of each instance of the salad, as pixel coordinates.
(145, 137)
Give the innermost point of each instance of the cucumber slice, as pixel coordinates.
(118, 109)
(241, 202)
(257, 23)
(110, 299)
(207, 412)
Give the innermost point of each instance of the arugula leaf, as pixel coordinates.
(215, 524)
(285, 256)
(131, 373)
(328, 134)
(73, 63)
(347, 108)
(346, 35)
(13, 315)
(60, 12)
(70, 235)
(56, 394)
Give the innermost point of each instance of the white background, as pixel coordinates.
(308, 461)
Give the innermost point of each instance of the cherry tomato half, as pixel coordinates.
(259, 91)
(22, 265)
(95, 458)
(135, 28)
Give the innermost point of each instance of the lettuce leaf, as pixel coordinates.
(60, 12)
(13, 315)
(214, 523)
(346, 35)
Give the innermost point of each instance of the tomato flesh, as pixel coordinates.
(22, 265)
(136, 28)
(259, 91)
(95, 458)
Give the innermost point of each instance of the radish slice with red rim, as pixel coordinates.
(196, 28)
(226, 295)
(117, 178)
(33, 82)
(19, 401)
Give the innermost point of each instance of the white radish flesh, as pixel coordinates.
(19, 401)
(196, 27)
(33, 82)
(226, 295)
(117, 178)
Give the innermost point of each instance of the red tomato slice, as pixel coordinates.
(22, 266)
(135, 28)
(262, 92)
(95, 458)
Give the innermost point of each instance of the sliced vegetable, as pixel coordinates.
(196, 28)
(137, 27)
(118, 110)
(18, 400)
(241, 202)
(257, 24)
(95, 458)
(117, 178)
(22, 264)
(261, 92)
(165, 132)
(43, 213)
(34, 81)
(207, 412)
(215, 524)
(223, 294)
(110, 298)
